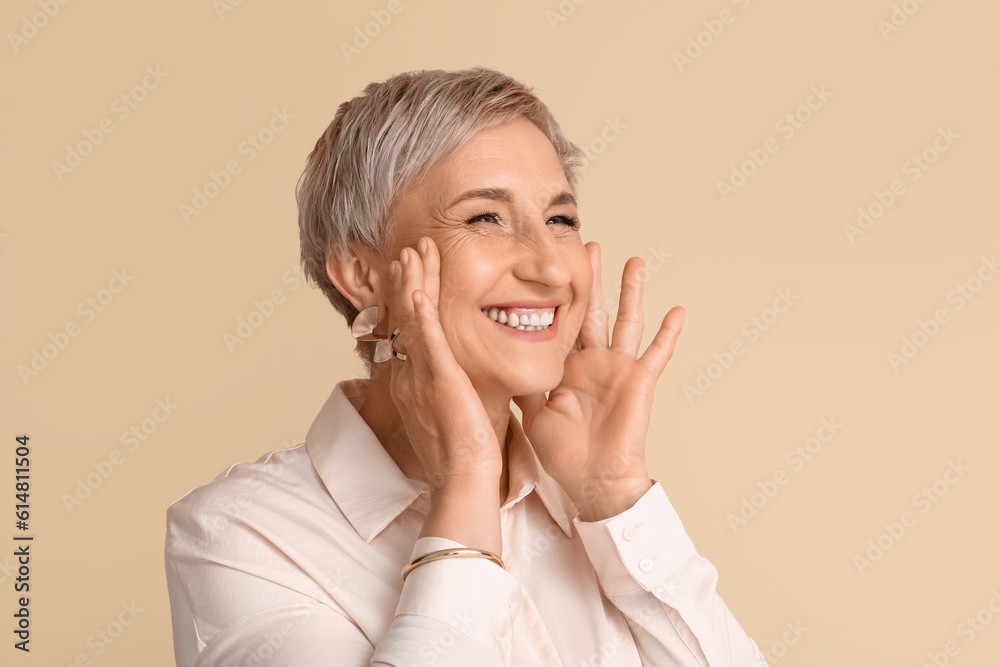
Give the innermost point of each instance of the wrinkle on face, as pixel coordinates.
(521, 257)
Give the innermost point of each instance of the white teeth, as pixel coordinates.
(534, 321)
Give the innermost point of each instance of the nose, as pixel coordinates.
(541, 258)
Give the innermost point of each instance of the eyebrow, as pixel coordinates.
(504, 195)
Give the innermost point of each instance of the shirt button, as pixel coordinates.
(646, 564)
(629, 533)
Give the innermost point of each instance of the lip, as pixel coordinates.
(536, 336)
(524, 304)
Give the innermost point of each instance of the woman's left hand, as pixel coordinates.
(590, 434)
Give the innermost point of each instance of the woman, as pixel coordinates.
(420, 523)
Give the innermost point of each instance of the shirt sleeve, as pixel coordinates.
(236, 599)
(438, 622)
(650, 570)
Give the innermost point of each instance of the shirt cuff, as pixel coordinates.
(472, 595)
(639, 548)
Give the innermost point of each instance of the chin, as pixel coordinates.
(534, 379)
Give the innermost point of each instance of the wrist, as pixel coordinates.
(598, 499)
(466, 486)
(466, 511)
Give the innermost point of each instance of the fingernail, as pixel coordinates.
(392, 270)
(422, 246)
(403, 256)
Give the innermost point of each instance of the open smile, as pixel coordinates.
(533, 318)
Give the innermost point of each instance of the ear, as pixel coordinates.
(359, 275)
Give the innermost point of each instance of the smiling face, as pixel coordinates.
(505, 222)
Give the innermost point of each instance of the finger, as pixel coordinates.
(430, 259)
(395, 287)
(397, 314)
(594, 332)
(658, 353)
(410, 278)
(429, 348)
(530, 404)
(627, 334)
(392, 321)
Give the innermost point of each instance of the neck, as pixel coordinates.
(380, 413)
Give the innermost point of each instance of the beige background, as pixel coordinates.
(650, 191)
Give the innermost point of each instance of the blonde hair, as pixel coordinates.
(383, 141)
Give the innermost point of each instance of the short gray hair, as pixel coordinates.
(384, 141)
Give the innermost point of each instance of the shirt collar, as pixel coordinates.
(526, 473)
(371, 490)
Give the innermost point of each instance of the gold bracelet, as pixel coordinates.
(450, 553)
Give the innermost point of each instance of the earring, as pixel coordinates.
(363, 329)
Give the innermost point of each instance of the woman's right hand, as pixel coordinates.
(445, 421)
(447, 425)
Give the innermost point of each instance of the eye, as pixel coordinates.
(569, 221)
(488, 216)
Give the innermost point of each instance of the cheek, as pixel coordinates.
(466, 277)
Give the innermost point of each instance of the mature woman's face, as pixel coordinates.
(504, 219)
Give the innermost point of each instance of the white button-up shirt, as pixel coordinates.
(295, 561)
